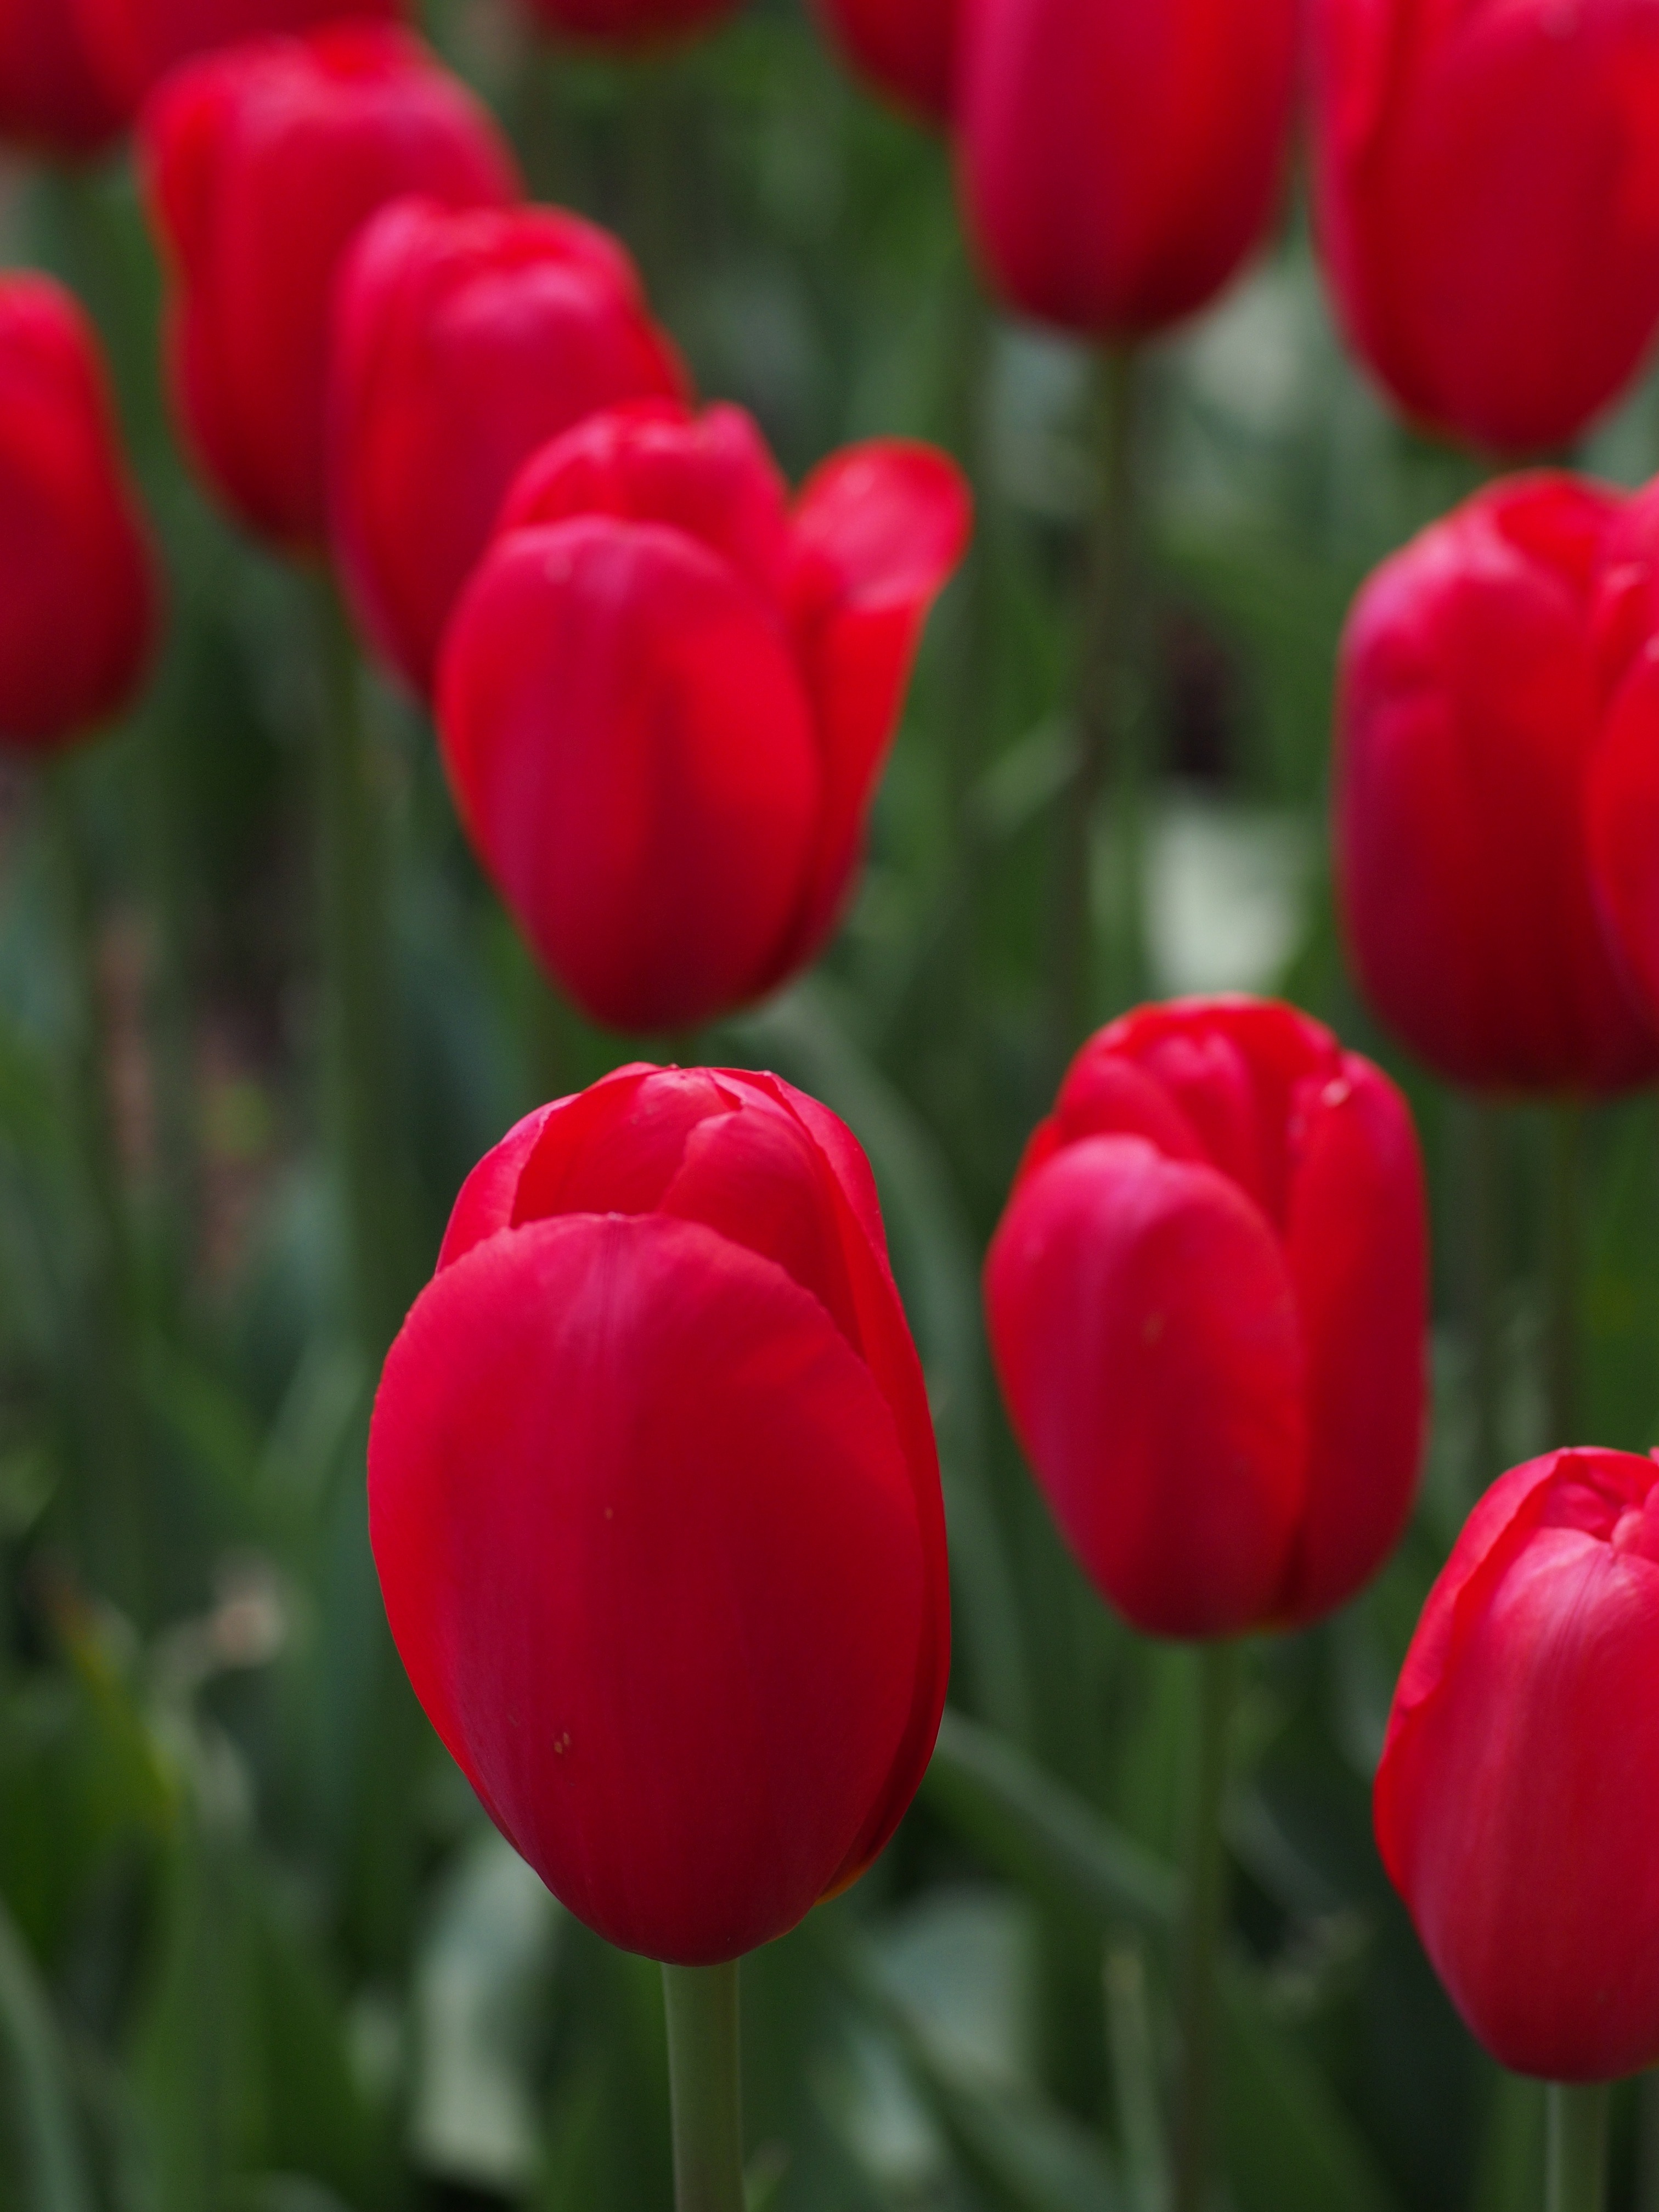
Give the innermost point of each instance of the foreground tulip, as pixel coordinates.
(1120, 162)
(463, 342)
(77, 612)
(1473, 699)
(907, 48)
(628, 23)
(667, 697)
(1522, 1766)
(52, 95)
(263, 163)
(655, 1505)
(1488, 205)
(137, 41)
(1207, 1302)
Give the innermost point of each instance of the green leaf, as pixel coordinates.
(42, 2102)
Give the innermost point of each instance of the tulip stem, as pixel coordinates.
(1481, 1215)
(706, 2087)
(1205, 1926)
(1566, 1173)
(1577, 2152)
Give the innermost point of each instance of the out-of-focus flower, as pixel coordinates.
(905, 48)
(52, 95)
(136, 42)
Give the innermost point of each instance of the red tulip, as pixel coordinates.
(51, 95)
(656, 1509)
(666, 698)
(1208, 1305)
(463, 342)
(78, 591)
(907, 48)
(137, 41)
(1121, 160)
(629, 22)
(263, 162)
(1488, 205)
(1520, 1763)
(1472, 702)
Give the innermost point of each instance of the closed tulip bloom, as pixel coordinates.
(78, 592)
(263, 163)
(1520, 1760)
(1487, 199)
(137, 41)
(655, 1504)
(52, 95)
(1120, 160)
(667, 698)
(464, 341)
(627, 23)
(1208, 1306)
(1472, 703)
(905, 48)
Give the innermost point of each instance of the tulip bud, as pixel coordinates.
(463, 343)
(655, 1504)
(1487, 199)
(1471, 705)
(629, 22)
(137, 41)
(1120, 160)
(1511, 1800)
(78, 609)
(53, 96)
(1207, 1305)
(667, 697)
(263, 162)
(905, 48)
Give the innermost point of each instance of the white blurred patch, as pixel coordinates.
(1226, 893)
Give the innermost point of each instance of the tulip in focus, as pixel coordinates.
(667, 698)
(1207, 1305)
(905, 48)
(1487, 198)
(263, 163)
(1119, 160)
(137, 41)
(463, 342)
(630, 23)
(1479, 676)
(52, 95)
(1522, 1765)
(78, 607)
(655, 1504)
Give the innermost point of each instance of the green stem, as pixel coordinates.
(1205, 1926)
(1576, 2156)
(1104, 726)
(1566, 1173)
(1481, 1217)
(705, 2083)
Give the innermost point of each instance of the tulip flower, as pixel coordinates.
(263, 163)
(655, 1504)
(666, 696)
(137, 41)
(1474, 699)
(630, 23)
(1120, 160)
(78, 611)
(1207, 1302)
(1487, 200)
(905, 48)
(53, 96)
(1512, 1796)
(463, 342)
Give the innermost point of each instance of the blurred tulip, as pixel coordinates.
(629, 22)
(655, 1504)
(78, 606)
(463, 342)
(1488, 205)
(137, 41)
(666, 699)
(1512, 1796)
(1472, 700)
(53, 96)
(1120, 160)
(1208, 1305)
(905, 48)
(263, 163)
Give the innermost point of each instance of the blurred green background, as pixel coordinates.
(260, 1950)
